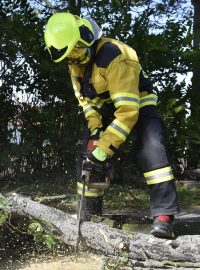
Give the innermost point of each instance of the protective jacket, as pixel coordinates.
(112, 89)
(112, 86)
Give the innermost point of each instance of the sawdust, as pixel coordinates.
(83, 262)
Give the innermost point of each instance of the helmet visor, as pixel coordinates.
(57, 54)
(78, 55)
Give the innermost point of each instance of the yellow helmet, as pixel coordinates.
(65, 30)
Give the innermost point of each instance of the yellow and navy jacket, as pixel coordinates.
(114, 85)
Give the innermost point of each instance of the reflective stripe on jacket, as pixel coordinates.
(114, 86)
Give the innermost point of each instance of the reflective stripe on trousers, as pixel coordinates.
(159, 176)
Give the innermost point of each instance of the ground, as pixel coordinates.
(82, 262)
(124, 206)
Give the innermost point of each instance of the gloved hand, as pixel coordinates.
(95, 162)
(96, 133)
(97, 155)
(96, 169)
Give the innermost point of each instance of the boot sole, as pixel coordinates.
(162, 234)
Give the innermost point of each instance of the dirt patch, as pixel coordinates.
(83, 262)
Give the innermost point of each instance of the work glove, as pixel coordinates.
(97, 155)
(96, 133)
(95, 163)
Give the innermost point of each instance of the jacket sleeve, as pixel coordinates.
(123, 84)
(92, 116)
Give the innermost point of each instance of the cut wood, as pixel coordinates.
(142, 249)
(47, 199)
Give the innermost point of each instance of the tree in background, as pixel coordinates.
(48, 118)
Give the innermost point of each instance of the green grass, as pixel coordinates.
(188, 196)
(128, 197)
(116, 198)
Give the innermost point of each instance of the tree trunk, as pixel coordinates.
(142, 249)
(74, 7)
(195, 103)
(194, 147)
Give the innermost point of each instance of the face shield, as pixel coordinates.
(80, 55)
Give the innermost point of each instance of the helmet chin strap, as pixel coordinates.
(89, 55)
(87, 58)
(83, 61)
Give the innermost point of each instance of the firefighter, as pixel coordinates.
(116, 96)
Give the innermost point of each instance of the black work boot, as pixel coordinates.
(162, 229)
(89, 206)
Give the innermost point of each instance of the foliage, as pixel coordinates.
(3, 216)
(130, 197)
(117, 264)
(3, 212)
(37, 229)
(188, 197)
(43, 118)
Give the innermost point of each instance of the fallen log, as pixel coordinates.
(141, 250)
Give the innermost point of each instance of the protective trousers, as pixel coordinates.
(153, 162)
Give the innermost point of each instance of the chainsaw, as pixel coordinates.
(95, 176)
